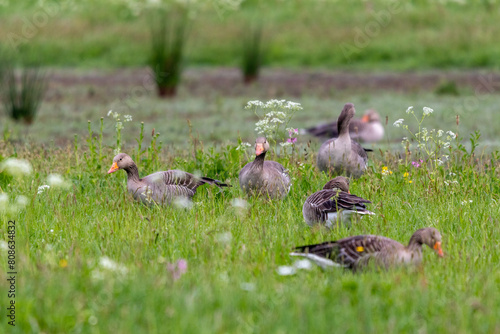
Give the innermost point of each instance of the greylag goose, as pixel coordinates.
(342, 154)
(159, 187)
(367, 129)
(334, 204)
(267, 178)
(360, 251)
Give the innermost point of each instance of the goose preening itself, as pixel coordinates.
(343, 155)
(367, 129)
(334, 204)
(361, 251)
(159, 187)
(261, 177)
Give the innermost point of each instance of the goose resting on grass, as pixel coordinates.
(334, 204)
(159, 187)
(266, 178)
(367, 129)
(361, 251)
(343, 155)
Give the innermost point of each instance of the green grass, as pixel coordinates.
(231, 284)
(418, 34)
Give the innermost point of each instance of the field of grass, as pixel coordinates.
(91, 260)
(374, 35)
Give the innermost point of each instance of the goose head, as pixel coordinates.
(345, 118)
(121, 161)
(370, 116)
(261, 146)
(340, 183)
(429, 236)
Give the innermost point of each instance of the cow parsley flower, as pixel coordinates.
(428, 111)
(398, 122)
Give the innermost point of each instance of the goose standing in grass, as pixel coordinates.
(361, 251)
(367, 129)
(160, 187)
(334, 204)
(266, 178)
(343, 155)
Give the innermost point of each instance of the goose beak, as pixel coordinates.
(114, 168)
(437, 248)
(365, 119)
(259, 148)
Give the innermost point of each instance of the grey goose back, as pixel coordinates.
(159, 187)
(362, 251)
(367, 129)
(334, 205)
(263, 177)
(343, 155)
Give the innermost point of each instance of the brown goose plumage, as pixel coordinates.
(361, 251)
(265, 178)
(334, 204)
(160, 187)
(367, 129)
(343, 155)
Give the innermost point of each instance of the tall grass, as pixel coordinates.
(114, 256)
(169, 27)
(252, 51)
(23, 94)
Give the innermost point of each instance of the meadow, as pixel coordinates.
(91, 260)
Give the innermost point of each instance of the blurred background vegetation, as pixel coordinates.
(381, 34)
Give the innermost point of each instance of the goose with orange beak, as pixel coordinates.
(264, 178)
(160, 187)
(368, 128)
(363, 251)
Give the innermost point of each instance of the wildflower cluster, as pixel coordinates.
(119, 127)
(429, 142)
(18, 169)
(274, 117)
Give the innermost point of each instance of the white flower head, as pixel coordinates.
(21, 201)
(128, 118)
(42, 188)
(286, 270)
(428, 110)
(239, 203)
(451, 134)
(57, 181)
(409, 110)
(16, 167)
(398, 122)
(182, 202)
(108, 264)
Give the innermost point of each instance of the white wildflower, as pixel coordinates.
(128, 118)
(108, 264)
(452, 174)
(464, 202)
(398, 122)
(409, 110)
(243, 146)
(255, 103)
(440, 133)
(42, 188)
(293, 105)
(285, 144)
(303, 264)
(286, 270)
(57, 181)
(119, 125)
(239, 203)
(182, 203)
(21, 201)
(428, 110)
(451, 134)
(16, 167)
(446, 145)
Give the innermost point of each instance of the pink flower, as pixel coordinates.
(291, 140)
(416, 164)
(178, 269)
